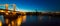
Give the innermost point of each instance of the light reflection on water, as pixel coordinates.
(33, 19)
(1, 18)
(21, 19)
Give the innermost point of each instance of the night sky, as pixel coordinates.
(32, 5)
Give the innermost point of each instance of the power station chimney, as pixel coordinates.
(14, 7)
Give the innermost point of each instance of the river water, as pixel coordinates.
(33, 20)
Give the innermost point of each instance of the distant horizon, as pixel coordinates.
(31, 11)
(31, 5)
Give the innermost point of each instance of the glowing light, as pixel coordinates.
(1, 11)
(24, 18)
(8, 11)
(0, 23)
(9, 24)
(12, 23)
(6, 21)
(19, 20)
(7, 14)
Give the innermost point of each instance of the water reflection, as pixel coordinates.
(31, 20)
(7, 21)
(40, 17)
(44, 18)
(2, 18)
(0, 23)
(21, 19)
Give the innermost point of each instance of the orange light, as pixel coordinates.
(7, 21)
(1, 11)
(12, 23)
(7, 14)
(14, 13)
(6, 6)
(24, 18)
(20, 19)
(0, 23)
(9, 24)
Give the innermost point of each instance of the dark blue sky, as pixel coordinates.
(32, 5)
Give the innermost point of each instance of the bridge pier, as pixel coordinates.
(9, 19)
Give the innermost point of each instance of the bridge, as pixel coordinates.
(10, 15)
